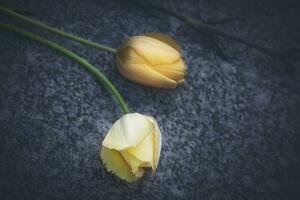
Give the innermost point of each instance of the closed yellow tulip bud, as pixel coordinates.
(132, 144)
(153, 60)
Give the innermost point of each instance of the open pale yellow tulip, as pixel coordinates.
(132, 144)
(153, 60)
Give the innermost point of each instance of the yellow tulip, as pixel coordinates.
(153, 60)
(132, 144)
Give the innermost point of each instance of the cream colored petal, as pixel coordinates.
(157, 142)
(144, 151)
(153, 50)
(143, 74)
(149, 150)
(129, 131)
(134, 163)
(116, 164)
(165, 39)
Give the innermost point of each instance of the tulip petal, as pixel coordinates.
(178, 66)
(116, 164)
(157, 142)
(153, 50)
(172, 74)
(141, 72)
(148, 152)
(129, 56)
(144, 151)
(134, 163)
(165, 39)
(174, 71)
(129, 131)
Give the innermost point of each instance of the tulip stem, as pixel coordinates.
(57, 31)
(101, 77)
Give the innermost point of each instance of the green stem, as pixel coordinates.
(73, 56)
(57, 31)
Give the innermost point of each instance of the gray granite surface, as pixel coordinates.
(231, 132)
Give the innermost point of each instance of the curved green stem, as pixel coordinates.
(73, 56)
(57, 31)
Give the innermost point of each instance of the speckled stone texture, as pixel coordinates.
(231, 132)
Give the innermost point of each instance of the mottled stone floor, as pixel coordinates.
(231, 132)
